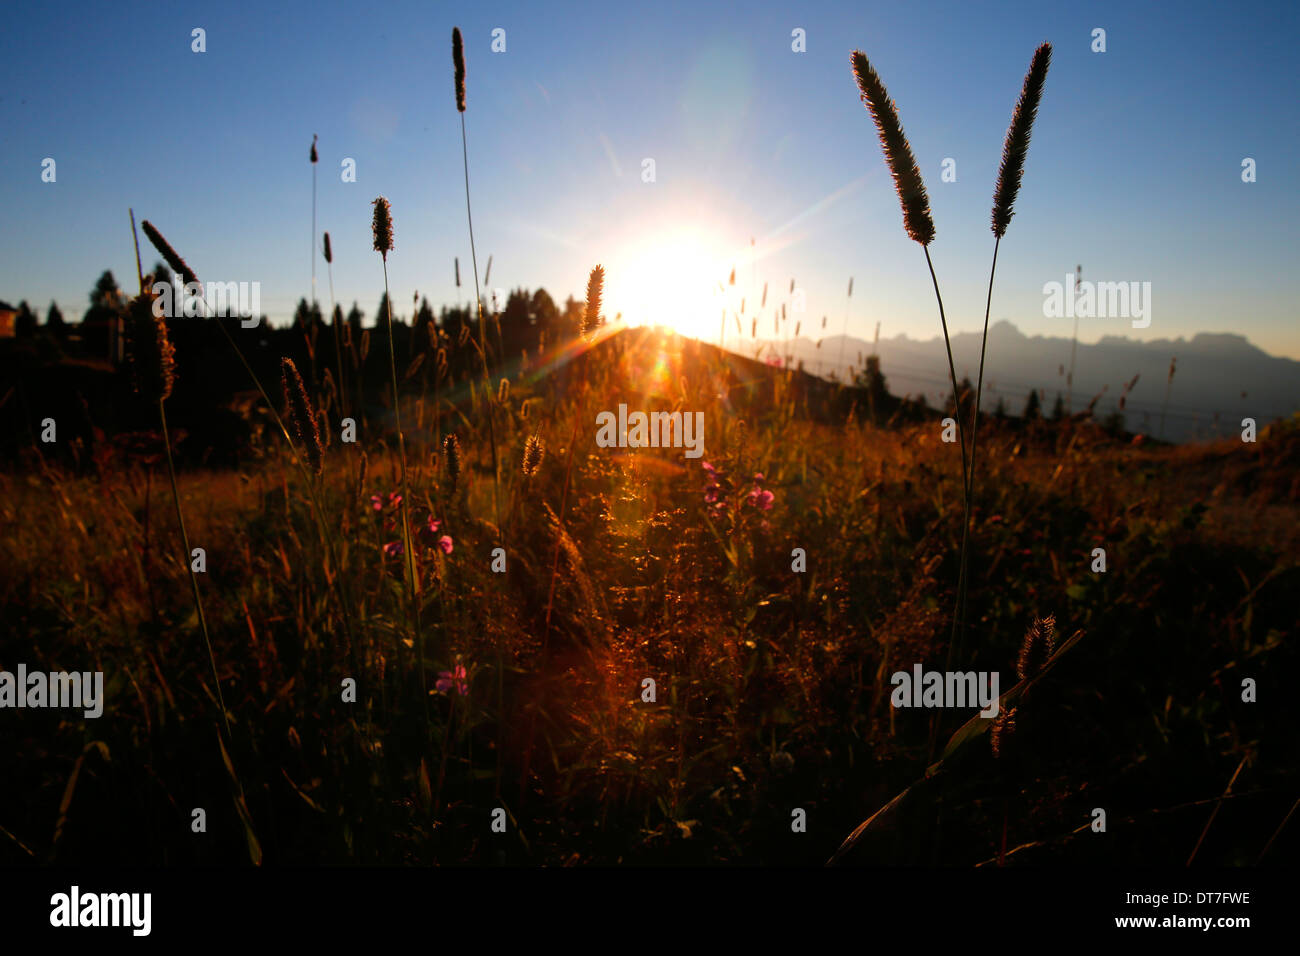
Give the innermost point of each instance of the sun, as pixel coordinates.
(671, 278)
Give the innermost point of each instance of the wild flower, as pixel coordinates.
(761, 498)
(457, 679)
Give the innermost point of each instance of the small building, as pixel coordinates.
(8, 315)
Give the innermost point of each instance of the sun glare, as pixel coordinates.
(671, 279)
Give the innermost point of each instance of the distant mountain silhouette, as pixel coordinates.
(1213, 371)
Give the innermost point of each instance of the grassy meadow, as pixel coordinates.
(476, 635)
(772, 687)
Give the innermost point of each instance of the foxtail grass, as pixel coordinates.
(919, 225)
(458, 62)
(590, 322)
(153, 368)
(382, 230)
(534, 452)
(301, 416)
(336, 318)
(1014, 150)
(181, 268)
(314, 158)
(154, 373)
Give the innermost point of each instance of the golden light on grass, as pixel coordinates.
(595, 285)
(534, 450)
(451, 453)
(153, 364)
(301, 417)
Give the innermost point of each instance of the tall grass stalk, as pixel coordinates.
(458, 61)
(336, 317)
(182, 269)
(313, 220)
(1014, 150)
(591, 319)
(919, 225)
(382, 227)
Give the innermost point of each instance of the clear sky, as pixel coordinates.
(1134, 170)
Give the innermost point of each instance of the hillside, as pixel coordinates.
(771, 671)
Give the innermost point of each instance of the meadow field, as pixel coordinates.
(523, 688)
(526, 583)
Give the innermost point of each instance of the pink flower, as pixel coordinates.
(394, 549)
(759, 479)
(377, 502)
(456, 678)
(445, 543)
(394, 499)
(761, 499)
(434, 525)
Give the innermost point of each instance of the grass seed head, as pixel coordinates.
(1017, 141)
(898, 152)
(329, 253)
(534, 451)
(1000, 734)
(153, 363)
(301, 417)
(595, 285)
(382, 227)
(451, 452)
(458, 59)
(313, 148)
(1040, 641)
(164, 248)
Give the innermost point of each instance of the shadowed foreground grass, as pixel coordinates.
(771, 686)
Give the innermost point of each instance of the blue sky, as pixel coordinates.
(1134, 170)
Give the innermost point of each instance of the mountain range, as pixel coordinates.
(1219, 378)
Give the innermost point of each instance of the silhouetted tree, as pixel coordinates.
(24, 321)
(1033, 408)
(381, 314)
(516, 323)
(1058, 408)
(355, 316)
(54, 319)
(162, 274)
(302, 316)
(424, 321)
(106, 293)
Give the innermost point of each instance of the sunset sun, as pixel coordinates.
(671, 279)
